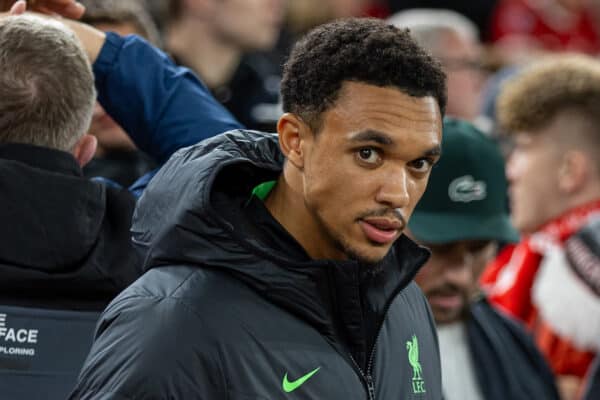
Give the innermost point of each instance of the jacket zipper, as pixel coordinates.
(368, 377)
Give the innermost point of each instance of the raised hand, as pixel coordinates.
(65, 8)
(18, 8)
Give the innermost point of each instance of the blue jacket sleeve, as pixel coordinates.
(162, 107)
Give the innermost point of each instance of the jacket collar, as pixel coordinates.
(41, 158)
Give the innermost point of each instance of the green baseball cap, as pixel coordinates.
(466, 197)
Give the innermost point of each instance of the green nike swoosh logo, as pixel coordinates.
(291, 386)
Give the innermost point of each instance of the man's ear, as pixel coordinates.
(84, 149)
(293, 137)
(574, 171)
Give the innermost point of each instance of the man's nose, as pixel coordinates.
(394, 189)
(459, 270)
(513, 166)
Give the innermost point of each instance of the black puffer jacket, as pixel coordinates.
(233, 308)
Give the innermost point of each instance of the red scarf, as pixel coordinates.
(508, 280)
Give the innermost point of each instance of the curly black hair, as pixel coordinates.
(363, 50)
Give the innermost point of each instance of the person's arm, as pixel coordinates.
(161, 106)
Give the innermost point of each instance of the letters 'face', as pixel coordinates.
(367, 167)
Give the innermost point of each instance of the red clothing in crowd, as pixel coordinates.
(509, 280)
(532, 19)
(376, 9)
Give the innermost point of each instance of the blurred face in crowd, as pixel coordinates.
(362, 173)
(533, 175)
(574, 5)
(346, 8)
(109, 134)
(249, 24)
(449, 277)
(461, 59)
(552, 170)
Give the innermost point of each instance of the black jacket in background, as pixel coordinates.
(64, 240)
(232, 306)
(507, 363)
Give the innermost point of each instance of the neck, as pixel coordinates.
(287, 206)
(583, 202)
(571, 219)
(200, 48)
(588, 195)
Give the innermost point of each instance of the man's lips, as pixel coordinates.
(449, 297)
(446, 301)
(381, 230)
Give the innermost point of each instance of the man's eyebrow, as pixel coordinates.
(434, 151)
(372, 136)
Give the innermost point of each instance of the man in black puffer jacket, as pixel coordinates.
(276, 265)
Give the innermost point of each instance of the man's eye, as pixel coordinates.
(369, 155)
(478, 247)
(422, 165)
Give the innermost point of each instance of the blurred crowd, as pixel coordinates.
(511, 213)
(245, 44)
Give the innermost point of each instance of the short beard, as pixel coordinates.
(369, 266)
(453, 289)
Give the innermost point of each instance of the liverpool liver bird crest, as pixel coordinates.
(413, 357)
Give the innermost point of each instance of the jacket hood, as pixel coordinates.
(184, 215)
(37, 196)
(60, 239)
(192, 213)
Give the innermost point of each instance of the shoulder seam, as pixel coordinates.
(187, 278)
